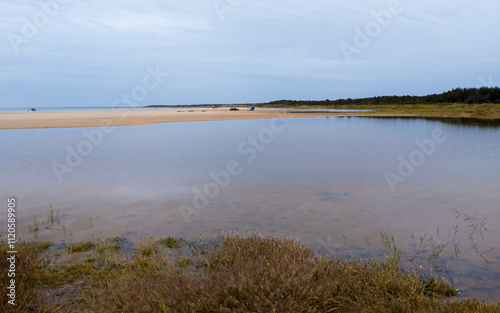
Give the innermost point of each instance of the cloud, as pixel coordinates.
(280, 47)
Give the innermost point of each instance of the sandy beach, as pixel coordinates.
(61, 119)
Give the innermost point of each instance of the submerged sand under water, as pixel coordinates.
(316, 179)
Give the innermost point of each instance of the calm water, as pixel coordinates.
(312, 178)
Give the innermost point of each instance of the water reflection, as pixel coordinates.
(459, 121)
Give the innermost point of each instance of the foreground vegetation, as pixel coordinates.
(229, 273)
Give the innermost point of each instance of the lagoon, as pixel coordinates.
(334, 183)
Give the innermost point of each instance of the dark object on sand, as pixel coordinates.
(234, 109)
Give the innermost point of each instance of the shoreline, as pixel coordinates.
(66, 119)
(104, 118)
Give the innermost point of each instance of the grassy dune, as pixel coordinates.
(483, 102)
(229, 273)
(482, 111)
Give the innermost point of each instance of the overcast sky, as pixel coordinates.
(98, 52)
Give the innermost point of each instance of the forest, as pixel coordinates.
(457, 95)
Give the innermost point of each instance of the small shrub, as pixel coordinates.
(42, 246)
(170, 242)
(146, 246)
(81, 246)
(433, 286)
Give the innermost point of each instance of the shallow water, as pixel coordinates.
(312, 178)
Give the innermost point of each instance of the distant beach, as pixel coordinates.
(98, 118)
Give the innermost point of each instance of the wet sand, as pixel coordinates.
(61, 119)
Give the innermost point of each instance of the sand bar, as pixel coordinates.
(61, 119)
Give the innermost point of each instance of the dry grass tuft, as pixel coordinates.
(230, 273)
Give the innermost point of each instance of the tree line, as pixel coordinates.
(457, 95)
